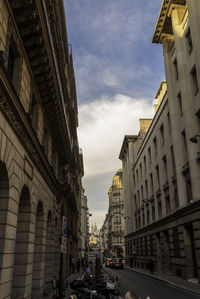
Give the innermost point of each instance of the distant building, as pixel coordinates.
(116, 217)
(94, 236)
(84, 226)
(162, 171)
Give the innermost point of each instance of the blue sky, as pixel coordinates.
(118, 71)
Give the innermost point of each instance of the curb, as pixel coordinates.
(165, 281)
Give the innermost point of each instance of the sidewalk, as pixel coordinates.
(172, 280)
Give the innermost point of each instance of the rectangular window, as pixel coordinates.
(165, 170)
(149, 153)
(189, 41)
(145, 163)
(155, 145)
(162, 134)
(176, 199)
(158, 176)
(151, 179)
(169, 122)
(159, 207)
(146, 187)
(175, 66)
(141, 170)
(33, 112)
(173, 160)
(195, 80)
(134, 180)
(180, 104)
(168, 205)
(13, 63)
(184, 150)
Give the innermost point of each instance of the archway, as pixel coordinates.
(48, 274)
(56, 249)
(21, 245)
(4, 196)
(38, 260)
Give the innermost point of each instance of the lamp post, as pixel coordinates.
(194, 139)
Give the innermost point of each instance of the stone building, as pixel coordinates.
(84, 225)
(165, 170)
(104, 233)
(41, 165)
(116, 217)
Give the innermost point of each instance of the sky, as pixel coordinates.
(118, 72)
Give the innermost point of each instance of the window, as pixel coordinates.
(134, 179)
(155, 145)
(151, 179)
(145, 163)
(168, 205)
(194, 80)
(176, 200)
(189, 191)
(146, 187)
(158, 176)
(13, 63)
(162, 134)
(165, 170)
(189, 41)
(180, 104)
(159, 207)
(184, 150)
(34, 113)
(173, 160)
(169, 122)
(141, 170)
(137, 176)
(149, 153)
(175, 65)
(142, 193)
(153, 212)
(46, 141)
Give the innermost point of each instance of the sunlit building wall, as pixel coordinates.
(165, 198)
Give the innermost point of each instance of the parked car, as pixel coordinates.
(118, 263)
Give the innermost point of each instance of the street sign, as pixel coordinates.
(64, 226)
(63, 248)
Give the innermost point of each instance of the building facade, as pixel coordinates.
(165, 172)
(41, 165)
(116, 217)
(84, 226)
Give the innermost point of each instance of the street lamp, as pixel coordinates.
(194, 139)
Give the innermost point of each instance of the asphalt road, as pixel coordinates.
(142, 286)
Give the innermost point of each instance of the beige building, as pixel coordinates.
(116, 217)
(41, 165)
(165, 173)
(94, 236)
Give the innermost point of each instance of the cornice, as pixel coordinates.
(164, 24)
(16, 116)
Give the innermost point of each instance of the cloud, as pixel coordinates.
(112, 47)
(102, 126)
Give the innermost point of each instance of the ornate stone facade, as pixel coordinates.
(41, 165)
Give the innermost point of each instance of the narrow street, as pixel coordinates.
(142, 286)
